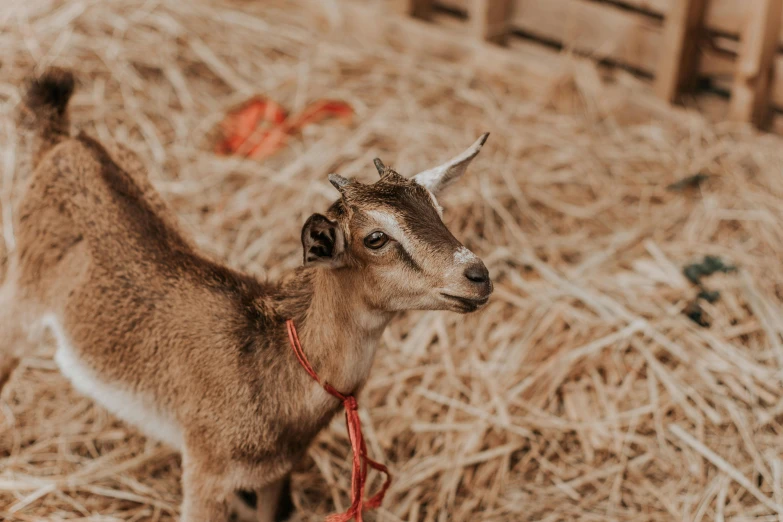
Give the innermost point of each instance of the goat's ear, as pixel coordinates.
(438, 178)
(323, 242)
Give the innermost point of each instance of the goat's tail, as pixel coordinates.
(47, 100)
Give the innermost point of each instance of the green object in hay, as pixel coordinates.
(695, 272)
(711, 264)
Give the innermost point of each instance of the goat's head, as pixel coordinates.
(391, 236)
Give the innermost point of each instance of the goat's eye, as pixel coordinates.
(376, 240)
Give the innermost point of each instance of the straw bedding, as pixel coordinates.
(584, 391)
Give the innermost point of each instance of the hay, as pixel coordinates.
(583, 392)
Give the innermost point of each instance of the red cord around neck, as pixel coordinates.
(360, 458)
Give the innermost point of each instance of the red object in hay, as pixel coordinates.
(261, 127)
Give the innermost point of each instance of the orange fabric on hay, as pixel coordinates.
(261, 127)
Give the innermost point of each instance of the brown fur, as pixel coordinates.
(198, 342)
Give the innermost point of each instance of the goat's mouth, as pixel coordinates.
(466, 304)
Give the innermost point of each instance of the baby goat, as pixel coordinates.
(192, 352)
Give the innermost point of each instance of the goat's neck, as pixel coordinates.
(338, 329)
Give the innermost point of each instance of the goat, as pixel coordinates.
(196, 354)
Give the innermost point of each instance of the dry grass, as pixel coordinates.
(581, 393)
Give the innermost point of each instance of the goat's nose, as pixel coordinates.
(477, 273)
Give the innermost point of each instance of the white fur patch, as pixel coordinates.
(388, 222)
(391, 226)
(438, 178)
(429, 179)
(126, 405)
(463, 256)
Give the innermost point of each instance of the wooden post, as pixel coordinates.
(489, 19)
(678, 59)
(750, 93)
(415, 8)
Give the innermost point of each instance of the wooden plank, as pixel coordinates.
(523, 51)
(776, 94)
(534, 68)
(415, 8)
(750, 93)
(679, 54)
(558, 21)
(489, 19)
(602, 32)
(598, 30)
(723, 16)
(657, 7)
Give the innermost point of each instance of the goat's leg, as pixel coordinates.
(268, 500)
(269, 504)
(285, 504)
(205, 497)
(243, 506)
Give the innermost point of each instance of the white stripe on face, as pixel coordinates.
(391, 226)
(463, 256)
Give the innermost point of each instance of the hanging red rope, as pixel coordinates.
(360, 458)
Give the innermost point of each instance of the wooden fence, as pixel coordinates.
(731, 45)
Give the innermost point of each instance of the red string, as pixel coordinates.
(360, 458)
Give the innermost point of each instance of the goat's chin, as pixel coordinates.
(462, 304)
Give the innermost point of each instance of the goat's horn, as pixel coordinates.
(380, 166)
(339, 182)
